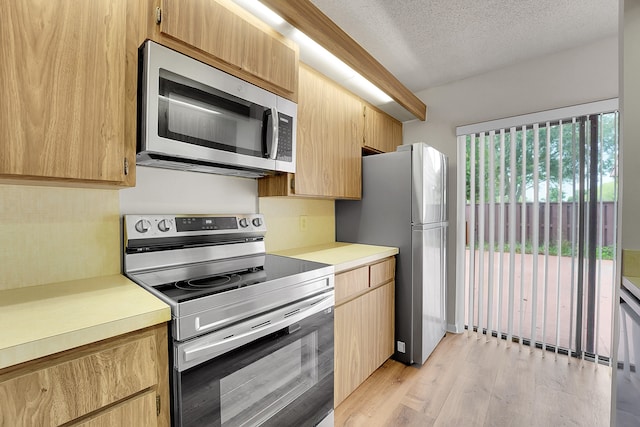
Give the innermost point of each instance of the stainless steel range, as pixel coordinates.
(251, 333)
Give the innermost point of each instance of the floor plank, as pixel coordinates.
(472, 381)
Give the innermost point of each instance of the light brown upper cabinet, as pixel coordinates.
(329, 139)
(382, 133)
(222, 34)
(62, 79)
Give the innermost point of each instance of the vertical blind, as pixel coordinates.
(536, 248)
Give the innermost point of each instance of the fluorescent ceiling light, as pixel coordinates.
(317, 56)
(373, 90)
(261, 11)
(311, 47)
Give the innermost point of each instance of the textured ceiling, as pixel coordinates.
(426, 43)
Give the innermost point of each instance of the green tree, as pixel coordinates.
(607, 153)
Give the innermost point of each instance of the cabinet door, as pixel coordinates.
(214, 28)
(270, 59)
(382, 133)
(62, 79)
(379, 323)
(329, 135)
(206, 25)
(350, 350)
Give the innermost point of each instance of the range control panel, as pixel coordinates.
(161, 226)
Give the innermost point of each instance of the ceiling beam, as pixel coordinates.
(306, 17)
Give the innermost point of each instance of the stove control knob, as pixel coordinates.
(143, 225)
(164, 225)
(257, 222)
(243, 222)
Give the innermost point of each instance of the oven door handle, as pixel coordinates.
(194, 353)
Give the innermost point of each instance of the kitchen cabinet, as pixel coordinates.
(328, 152)
(118, 381)
(62, 78)
(224, 35)
(364, 324)
(382, 133)
(334, 128)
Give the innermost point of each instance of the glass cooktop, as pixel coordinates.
(189, 282)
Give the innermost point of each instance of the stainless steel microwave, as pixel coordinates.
(195, 117)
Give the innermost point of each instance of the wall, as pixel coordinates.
(166, 191)
(630, 151)
(285, 227)
(50, 234)
(576, 76)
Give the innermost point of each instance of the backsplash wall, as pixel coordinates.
(166, 191)
(51, 234)
(286, 229)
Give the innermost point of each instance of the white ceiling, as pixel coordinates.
(426, 43)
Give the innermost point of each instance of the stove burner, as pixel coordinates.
(207, 282)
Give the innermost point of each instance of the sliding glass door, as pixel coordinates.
(540, 232)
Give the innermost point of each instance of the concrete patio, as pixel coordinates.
(555, 328)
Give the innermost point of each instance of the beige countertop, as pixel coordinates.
(41, 320)
(343, 256)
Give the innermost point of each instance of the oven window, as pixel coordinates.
(285, 378)
(191, 112)
(257, 392)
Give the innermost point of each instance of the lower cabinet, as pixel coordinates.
(136, 411)
(118, 381)
(364, 324)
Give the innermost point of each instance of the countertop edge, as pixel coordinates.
(343, 256)
(350, 265)
(62, 332)
(67, 341)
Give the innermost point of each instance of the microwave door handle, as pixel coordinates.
(274, 133)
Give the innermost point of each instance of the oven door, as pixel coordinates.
(284, 378)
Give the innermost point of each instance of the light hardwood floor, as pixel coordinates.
(471, 382)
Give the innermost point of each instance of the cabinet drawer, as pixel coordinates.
(139, 411)
(351, 282)
(382, 272)
(68, 388)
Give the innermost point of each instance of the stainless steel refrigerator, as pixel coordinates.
(404, 205)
